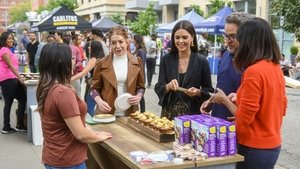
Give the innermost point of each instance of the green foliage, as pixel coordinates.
(216, 5)
(197, 9)
(146, 20)
(290, 9)
(294, 50)
(17, 13)
(117, 18)
(71, 4)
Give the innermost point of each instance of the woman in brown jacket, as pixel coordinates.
(118, 73)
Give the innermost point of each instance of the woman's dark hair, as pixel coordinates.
(139, 40)
(256, 42)
(55, 66)
(96, 50)
(188, 26)
(3, 38)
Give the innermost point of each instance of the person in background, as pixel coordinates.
(62, 112)
(151, 58)
(203, 44)
(97, 35)
(44, 36)
(261, 100)
(167, 44)
(158, 51)
(76, 39)
(77, 61)
(51, 39)
(12, 84)
(24, 40)
(31, 49)
(131, 44)
(140, 52)
(228, 78)
(285, 67)
(183, 67)
(97, 53)
(58, 37)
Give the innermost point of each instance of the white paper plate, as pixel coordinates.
(137, 153)
(158, 157)
(121, 102)
(104, 118)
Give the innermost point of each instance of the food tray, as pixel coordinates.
(150, 132)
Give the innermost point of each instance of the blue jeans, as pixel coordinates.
(90, 104)
(258, 158)
(79, 166)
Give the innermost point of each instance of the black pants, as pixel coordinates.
(13, 89)
(150, 63)
(142, 105)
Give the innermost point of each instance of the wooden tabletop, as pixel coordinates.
(126, 140)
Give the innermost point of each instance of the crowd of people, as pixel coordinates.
(118, 63)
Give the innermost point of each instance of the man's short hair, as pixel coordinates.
(97, 32)
(238, 18)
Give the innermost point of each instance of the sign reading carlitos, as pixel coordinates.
(65, 20)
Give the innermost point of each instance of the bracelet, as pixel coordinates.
(94, 93)
(140, 92)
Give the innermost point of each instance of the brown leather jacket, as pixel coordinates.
(104, 80)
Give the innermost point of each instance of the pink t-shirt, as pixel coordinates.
(5, 72)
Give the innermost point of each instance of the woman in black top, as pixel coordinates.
(183, 67)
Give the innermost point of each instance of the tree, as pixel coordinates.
(216, 5)
(146, 21)
(197, 9)
(71, 4)
(290, 10)
(118, 18)
(17, 12)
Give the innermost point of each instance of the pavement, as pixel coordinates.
(17, 153)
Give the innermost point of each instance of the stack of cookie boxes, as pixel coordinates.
(214, 136)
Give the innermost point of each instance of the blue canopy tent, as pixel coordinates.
(192, 16)
(214, 25)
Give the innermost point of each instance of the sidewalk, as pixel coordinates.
(17, 153)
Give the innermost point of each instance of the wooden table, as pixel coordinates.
(126, 140)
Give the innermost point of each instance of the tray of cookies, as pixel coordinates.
(154, 127)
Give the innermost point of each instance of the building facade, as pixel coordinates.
(35, 4)
(171, 10)
(4, 10)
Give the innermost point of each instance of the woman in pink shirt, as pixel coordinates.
(11, 83)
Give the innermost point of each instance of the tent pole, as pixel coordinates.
(214, 56)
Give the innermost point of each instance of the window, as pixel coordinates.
(240, 6)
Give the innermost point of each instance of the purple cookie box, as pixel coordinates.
(182, 130)
(205, 137)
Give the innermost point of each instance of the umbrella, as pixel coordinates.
(61, 19)
(104, 24)
(214, 24)
(192, 16)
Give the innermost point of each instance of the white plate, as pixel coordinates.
(158, 157)
(137, 153)
(121, 102)
(104, 118)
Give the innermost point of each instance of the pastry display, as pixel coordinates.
(151, 120)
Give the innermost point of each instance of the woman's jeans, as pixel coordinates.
(257, 158)
(13, 89)
(79, 166)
